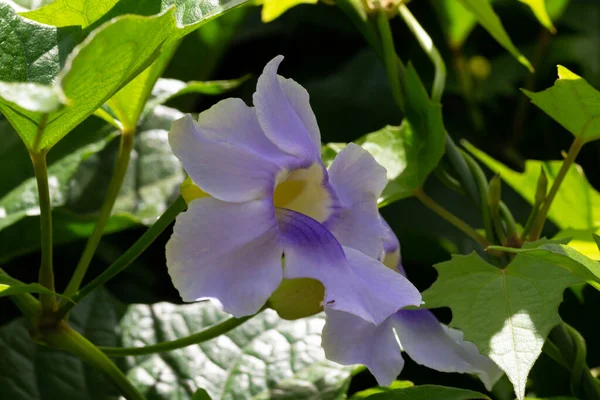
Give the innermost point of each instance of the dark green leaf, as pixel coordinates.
(201, 394)
(573, 103)
(429, 392)
(30, 371)
(456, 20)
(507, 313)
(381, 389)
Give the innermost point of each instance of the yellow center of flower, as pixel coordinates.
(302, 191)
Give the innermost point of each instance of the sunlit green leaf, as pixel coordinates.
(576, 205)
(573, 103)
(274, 8)
(428, 392)
(71, 12)
(381, 389)
(489, 20)
(507, 313)
(538, 7)
(564, 256)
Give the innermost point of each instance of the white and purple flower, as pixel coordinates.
(351, 340)
(272, 210)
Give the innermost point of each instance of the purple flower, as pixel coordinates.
(268, 198)
(351, 340)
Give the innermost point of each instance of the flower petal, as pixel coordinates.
(284, 113)
(429, 343)
(224, 169)
(229, 253)
(358, 181)
(353, 282)
(349, 340)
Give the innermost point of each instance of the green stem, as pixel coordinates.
(390, 58)
(128, 257)
(572, 348)
(109, 201)
(26, 303)
(482, 186)
(453, 219)
(540, 219)
(509, 219)
(205, 335)
(66, 338)
(46, 273)
(439, 80)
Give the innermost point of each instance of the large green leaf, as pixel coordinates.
(265, 358)
(31, 96)
(71, 12)
(486, 16)
(573, 103)
(29, 371)
(428, 392)
(564, 256)
(507, 313)
(576, 205)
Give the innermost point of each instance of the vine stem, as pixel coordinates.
(109, 201)
(439, 80)
(538, 224)
(46, 273)
(390, 58)
(451, 218)
(203, 336)
(127, 258)
(66, 338)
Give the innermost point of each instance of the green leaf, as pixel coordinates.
(272, 9)
(265, 358)
(201, 394)
(538, 7)
(428, 392)
(381, 389)
(31, 96)
(507, 313)
(489, 20)
(456, 20)
(563, 256)
(71, 12)
(409, 152)
(34, 372)
(576, 205)
(573, 103)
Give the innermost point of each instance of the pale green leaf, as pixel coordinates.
(573, 103)
(363, 394)
(576, 205)
(538, 7)
(71, 12)
(507, 313)
(265, 358)
(428, 392)
(562, 255)
(272, 9)
(489, 20)
(32, 96)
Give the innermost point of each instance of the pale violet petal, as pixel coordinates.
(349, 340)
(285, 115)
(354, 282)
(229, 253)
(358, 180)
(429, 343)
(225, 170)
